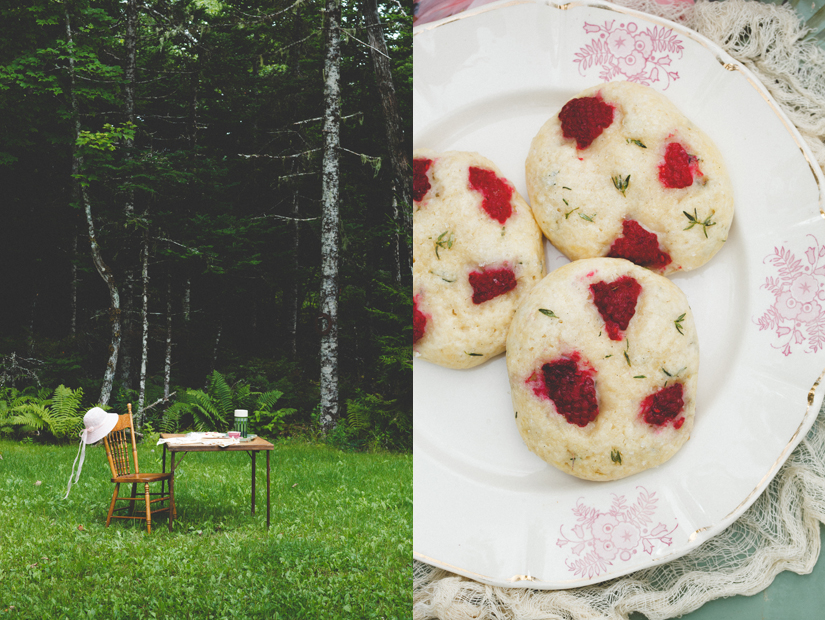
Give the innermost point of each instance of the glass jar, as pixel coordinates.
(241, 421)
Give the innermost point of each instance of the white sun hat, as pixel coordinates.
(97, 424)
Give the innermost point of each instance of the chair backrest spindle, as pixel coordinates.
(118, 448)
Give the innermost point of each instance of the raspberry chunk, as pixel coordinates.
(639, 246)
(419, 322)
(664, 406)
(497, 193)
(616, 302)
(678, 168)
(584, 119)
(571, 389)
(421, 184)
(491, 283)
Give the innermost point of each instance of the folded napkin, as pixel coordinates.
(200, 439)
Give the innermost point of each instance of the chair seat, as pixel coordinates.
(142, 477)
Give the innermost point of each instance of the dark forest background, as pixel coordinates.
(206, 156)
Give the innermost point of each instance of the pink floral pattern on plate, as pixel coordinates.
(601, 538)
(625, 51)
(796, 314)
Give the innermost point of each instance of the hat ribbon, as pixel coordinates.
(81, 452)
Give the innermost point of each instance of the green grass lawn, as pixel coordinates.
(340, 543)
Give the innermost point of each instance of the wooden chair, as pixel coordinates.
(121, 451)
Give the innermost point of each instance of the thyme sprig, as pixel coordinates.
(549, 313)
(621, 184)
(444, 244)
(566, 215)
(678, 324)
(694, 220)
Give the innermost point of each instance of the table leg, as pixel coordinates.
(163, 470)
(267, 489)
(171, 485)
(253, 482)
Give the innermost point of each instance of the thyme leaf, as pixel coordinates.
(678, 324)
(566, 215)
(694, 221)
(549, 313)
(621, 184)
(636, 142)
(475, 354)
(616, 456)
(442, 277)
(589, 218)
(444, 244)
(626, 349)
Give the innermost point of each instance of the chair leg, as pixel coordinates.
(173, 511)
(112, 505)
(148, 509)
(134, 495)
(172, 499)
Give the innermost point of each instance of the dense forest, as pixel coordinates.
(165, 201)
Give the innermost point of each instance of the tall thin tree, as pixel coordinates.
(80, 195)
(330, 237)
(167, 364)
(144, 346)
(130, 75)
(399, 159)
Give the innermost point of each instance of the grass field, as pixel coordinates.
(340, 544)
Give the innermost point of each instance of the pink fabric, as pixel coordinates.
(431, 10)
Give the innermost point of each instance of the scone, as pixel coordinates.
(621, 172)
(603, 359)
(476, 252)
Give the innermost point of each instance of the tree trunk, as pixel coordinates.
(144, 347)
(130, 73)
(396, 246)
(292, 293)
(167, 365)
(187, 294)
(130, 42)
(399, 159)
(328, 317)
(125, 365)
(73, 295)
(80, 195)
(31, 323)
(214, 364)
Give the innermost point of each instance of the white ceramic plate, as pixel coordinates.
(486, 507)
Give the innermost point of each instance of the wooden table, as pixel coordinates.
(251, 447)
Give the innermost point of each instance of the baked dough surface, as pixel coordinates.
(658, 350)
(582, 197)
(463, 250)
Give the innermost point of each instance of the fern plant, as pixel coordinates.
(214, 409)
(58, 416)
(376, 422)
(266, 418)
(66, 415)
